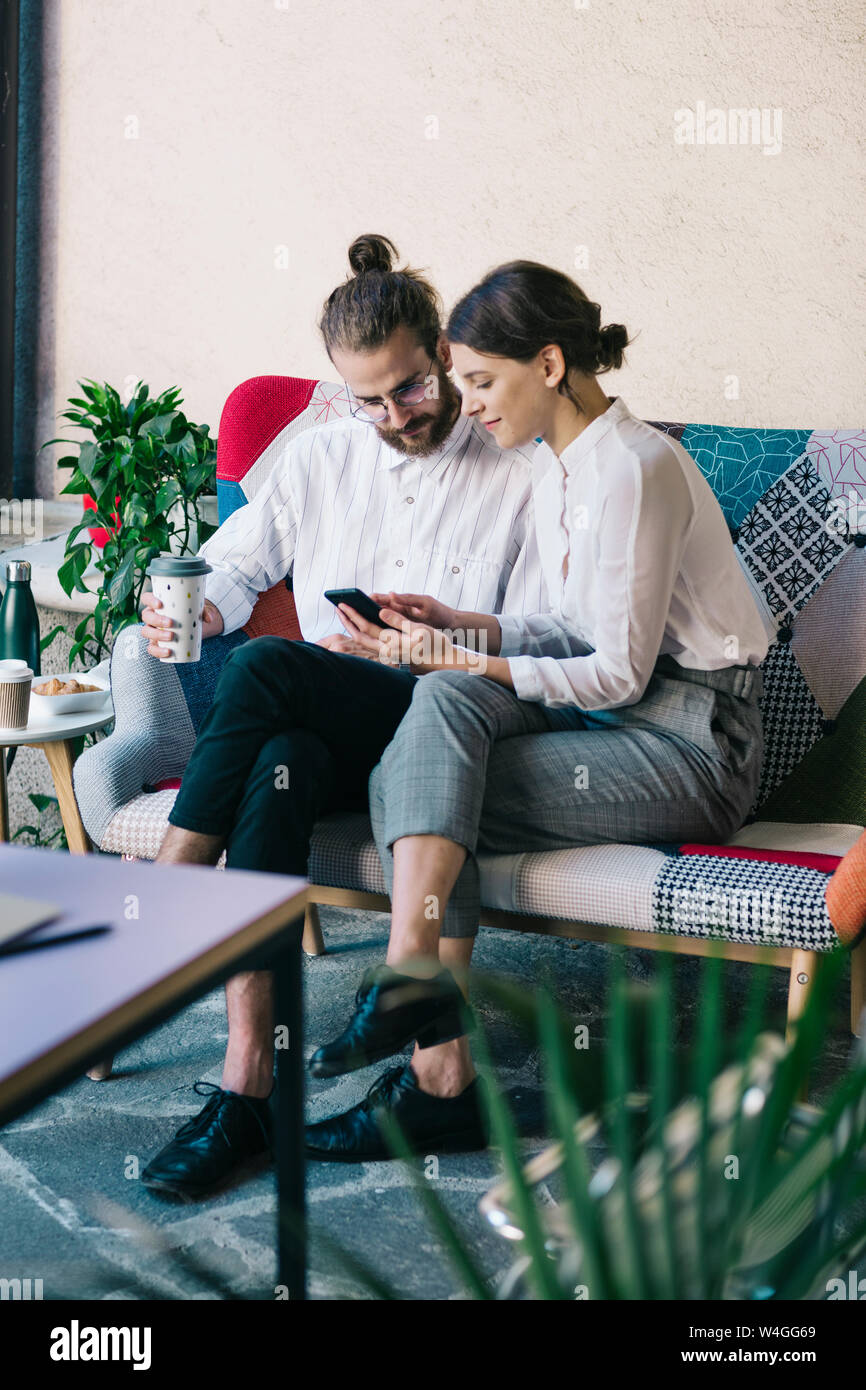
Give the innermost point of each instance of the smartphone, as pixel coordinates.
(361, 602)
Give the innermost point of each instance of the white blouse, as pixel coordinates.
(638, 562)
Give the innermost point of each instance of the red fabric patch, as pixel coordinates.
(824, 863)
(170, 782)
(274, 615)
(253, 416)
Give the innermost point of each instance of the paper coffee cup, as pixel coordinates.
(15, 681)
(178, 582)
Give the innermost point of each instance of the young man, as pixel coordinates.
(405, 495)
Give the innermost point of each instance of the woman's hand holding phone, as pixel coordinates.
(421, 646)
(419, 608)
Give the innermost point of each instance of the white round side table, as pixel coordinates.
(55, 735)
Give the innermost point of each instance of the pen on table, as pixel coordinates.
(15, 948)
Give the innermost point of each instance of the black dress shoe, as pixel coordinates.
(223, 1138)
(430, 1124)
(392, 1010)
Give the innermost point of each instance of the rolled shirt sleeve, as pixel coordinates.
(645, 518)
(253, 549)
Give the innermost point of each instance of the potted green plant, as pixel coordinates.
(149, 474)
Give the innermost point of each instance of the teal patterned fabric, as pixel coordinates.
(739, 464)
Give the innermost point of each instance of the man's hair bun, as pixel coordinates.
(372, 252)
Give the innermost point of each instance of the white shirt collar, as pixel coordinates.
(433, 464)
(588, 439)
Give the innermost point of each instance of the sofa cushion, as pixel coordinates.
(840, 459)
(829, 633)
(786, 541)
(829, 784)
(631, 886)
(792, 721)
(258, 419)
(342, 853)
(611, 885)
(741, 464)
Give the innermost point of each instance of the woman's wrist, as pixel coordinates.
(475, 663)
(481, 631)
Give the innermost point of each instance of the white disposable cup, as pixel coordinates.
(15, 681)
(182, 599)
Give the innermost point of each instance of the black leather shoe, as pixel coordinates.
(430, 1124)
(226, 1136)
(392, 1010)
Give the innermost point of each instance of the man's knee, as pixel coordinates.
(259, 653)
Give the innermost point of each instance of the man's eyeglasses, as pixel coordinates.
(374, 412)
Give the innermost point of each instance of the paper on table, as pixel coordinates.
(19, 915)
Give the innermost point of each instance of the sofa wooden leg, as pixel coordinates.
(804, 967)
(313, 940)
(858, 987)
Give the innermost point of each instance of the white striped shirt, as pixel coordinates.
(341, 509)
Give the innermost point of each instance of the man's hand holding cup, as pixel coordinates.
(176, 616)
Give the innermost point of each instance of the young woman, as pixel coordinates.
(629, 713)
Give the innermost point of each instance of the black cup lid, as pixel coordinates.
(178, 566)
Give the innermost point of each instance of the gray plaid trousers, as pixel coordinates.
(473, 763)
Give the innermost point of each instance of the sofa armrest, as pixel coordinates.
(152, 739)
(158, 708)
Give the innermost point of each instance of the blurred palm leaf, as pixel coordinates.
(715, 1182)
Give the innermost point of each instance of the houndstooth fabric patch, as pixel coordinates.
(743, 900)
(791, 717)
(786, 542)
(343, 853)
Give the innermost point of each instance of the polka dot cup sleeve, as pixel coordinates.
(179, 582)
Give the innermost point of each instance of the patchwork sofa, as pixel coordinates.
(791, 501)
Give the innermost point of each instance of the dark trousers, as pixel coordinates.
(293, 733)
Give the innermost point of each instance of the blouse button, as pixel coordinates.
(455, 569)
(410, 499)
(399, 564)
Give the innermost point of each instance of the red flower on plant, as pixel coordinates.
(100, 534)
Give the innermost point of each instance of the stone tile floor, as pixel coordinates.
(73, 1214)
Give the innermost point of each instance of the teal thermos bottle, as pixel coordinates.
(19, 621)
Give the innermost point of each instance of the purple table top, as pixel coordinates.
(164, 918)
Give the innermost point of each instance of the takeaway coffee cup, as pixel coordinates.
(178, 582)
(15, 681)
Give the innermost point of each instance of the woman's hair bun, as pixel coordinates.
(372, 252)
(613, 340)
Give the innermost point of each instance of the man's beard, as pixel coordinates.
(440, 424)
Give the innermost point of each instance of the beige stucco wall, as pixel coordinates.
(193, 150)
